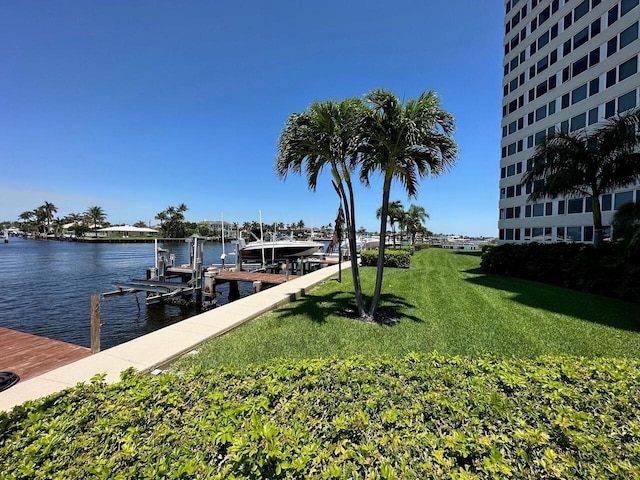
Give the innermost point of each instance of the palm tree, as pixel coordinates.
(588, 163)
(405, 142)
(95, 216)
(327, 135)
(414, 221)
(48, 209)
(395, 215)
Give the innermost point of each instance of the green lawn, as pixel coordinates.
(448, 305)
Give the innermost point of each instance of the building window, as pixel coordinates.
(527, 234)
(575, 205)
(579, 94)
(509, 234)
(511, 170)
(547, 234)
(580, 66)
(610, 109)
(527, 211)
(581, 10)
(541, 113)
(511, 191)
(595, 28)
(581, 37)
(622, 198)
(560, 207)
(628, 68)
(611, 77)
(627, 5)
(566, 48)
(588, 234)
(552, 107)
(594, 57)
(612, 16)
(612, 46)
(629, 35)
(560, 234)
(606, 202)
(509, 213)
(574, 234)
(536, 234)
(517, 234)
(627, 101)
(538, 210)
(594, 86)
(564, 101)
(501, 234)
(548, 208)
(593, 116)
(579, 121)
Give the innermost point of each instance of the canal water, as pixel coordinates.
(46, 288)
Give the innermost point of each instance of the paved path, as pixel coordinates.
(162, 346)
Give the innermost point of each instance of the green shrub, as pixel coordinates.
(392, 258)
(422, 416)
(578, 266)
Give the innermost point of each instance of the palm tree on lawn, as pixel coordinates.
(395, 215)
(588, 163)
(414, 221)
(405, 142)
(95, 216)
(327, 135)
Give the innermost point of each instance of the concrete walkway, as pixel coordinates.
(165, 345)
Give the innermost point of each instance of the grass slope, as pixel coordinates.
(447, 304)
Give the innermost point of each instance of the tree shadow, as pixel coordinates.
(318, 307)
(471, 253)
(585, 306)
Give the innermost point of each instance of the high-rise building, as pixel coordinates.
(568, 64)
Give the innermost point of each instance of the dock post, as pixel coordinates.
(234, 290)
(95, 323)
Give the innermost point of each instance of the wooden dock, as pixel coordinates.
(242, 276)
(30, 355)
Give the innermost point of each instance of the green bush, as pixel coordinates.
(422, 416)
(602, 271)
(392, 258)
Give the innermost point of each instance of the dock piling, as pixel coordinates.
(95, 323)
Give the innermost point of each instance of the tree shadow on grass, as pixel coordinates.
(342, 304)
(585, 306)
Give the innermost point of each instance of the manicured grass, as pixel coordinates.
(448, 305)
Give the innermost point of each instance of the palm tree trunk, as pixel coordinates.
(353, 254)
(383, 234)
(598, 231)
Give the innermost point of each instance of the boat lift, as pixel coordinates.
(167, 281)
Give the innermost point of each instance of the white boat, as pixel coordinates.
(270, 251)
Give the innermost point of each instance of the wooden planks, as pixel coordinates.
(242, 276)
(30, 355)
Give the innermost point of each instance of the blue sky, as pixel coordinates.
(136, 106)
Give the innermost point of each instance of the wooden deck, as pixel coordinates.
(241, 276)
(30, 355)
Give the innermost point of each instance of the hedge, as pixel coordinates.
(603, 271)
(392, 258)
(421, 416)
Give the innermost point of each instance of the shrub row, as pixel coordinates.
(422, 416)
(395, 258)
(603, 271)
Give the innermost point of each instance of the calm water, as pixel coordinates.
(46, 288)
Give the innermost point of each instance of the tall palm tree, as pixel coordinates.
(95, 216)
(414, 221)
(405, 142)
(395, 214)
(588, 163)
(327, 135)
(48, 209)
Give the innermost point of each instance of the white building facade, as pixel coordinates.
(568, 64)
